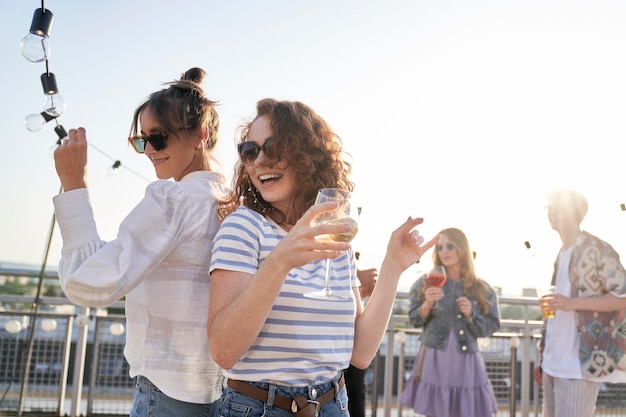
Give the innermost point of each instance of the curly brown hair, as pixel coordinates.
(472, 284)
(302, 139)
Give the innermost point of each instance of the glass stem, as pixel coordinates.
(327, 277)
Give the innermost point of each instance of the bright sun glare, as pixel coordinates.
(464, 113)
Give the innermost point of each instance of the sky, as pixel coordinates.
(465, 113)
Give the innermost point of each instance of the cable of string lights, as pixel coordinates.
(35, 47)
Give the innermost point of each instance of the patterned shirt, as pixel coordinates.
(303, 341)
(160, 262)
(594, 270)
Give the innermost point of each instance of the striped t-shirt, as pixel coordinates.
(303, 341)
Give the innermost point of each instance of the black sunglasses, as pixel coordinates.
(249, 151)
(449, 246)
(157, 140)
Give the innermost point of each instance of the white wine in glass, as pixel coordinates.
(343, 214)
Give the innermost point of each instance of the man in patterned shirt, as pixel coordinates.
(584, 344)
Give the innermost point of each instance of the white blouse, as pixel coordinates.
(160, 262)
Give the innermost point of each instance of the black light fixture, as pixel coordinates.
(61, 133)
(53, 103)
(114, 169)
(35, 46)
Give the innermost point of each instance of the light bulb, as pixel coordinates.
(35, 46)
(116, 329)
(399, 337)
(82, 320)
(114, 169)
(34, 122)
(48, 325)
(483, 343)
(13, 326)
(54, 104)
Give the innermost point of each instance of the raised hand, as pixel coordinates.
(70, 160)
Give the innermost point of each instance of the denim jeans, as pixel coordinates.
(235, 404)
(149, 401)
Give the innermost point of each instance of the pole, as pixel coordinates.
(33, 321)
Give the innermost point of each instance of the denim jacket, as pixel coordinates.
(439, 321)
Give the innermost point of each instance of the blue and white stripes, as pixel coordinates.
(304, 341)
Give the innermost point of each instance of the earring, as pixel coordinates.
(252, 190)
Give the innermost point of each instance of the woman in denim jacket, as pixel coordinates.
(450, 377)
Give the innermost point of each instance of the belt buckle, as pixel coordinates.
(317, 406)
(294, 406)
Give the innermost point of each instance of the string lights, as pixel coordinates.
(35, 47)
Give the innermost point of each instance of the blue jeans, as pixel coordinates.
(149, 401)
(235, 404)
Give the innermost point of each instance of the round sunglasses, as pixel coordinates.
(449, 247)
(249, 151)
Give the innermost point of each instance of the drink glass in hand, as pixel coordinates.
(437, 278)
(545, 298)
(343, 214)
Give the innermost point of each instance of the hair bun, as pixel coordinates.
(194, 74)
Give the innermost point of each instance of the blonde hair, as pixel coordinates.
(564, 198)
(471, 283)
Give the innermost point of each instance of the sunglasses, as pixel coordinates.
(249, 151)
(157, 140)
(449, 247)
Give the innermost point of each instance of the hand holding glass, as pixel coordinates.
(343, 214)
(545, 300)
(437, 278)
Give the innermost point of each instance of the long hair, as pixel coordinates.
(471, 283)
(303, 140)
(184, 106)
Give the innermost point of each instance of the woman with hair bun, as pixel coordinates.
(160, 258)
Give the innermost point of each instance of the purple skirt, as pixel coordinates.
(452, 384)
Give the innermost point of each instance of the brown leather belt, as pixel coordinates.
(299, 405)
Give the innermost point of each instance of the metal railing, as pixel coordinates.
(77, 365)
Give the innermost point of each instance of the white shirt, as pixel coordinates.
(160, 262)
(560, 356)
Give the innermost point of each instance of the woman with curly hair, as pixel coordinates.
(449, 378)
(284, 353)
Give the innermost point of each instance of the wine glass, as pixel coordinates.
(343, 214)
(437, 278)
